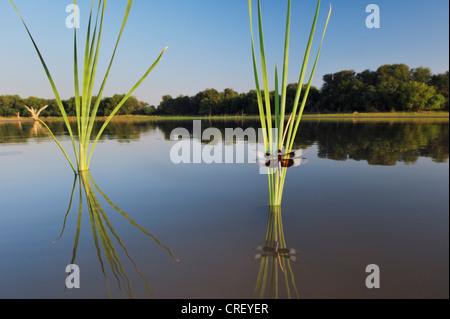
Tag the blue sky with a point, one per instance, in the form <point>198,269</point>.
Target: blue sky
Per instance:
<point>209,42</point>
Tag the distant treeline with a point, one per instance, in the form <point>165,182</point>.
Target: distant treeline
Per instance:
<point>10,105</point>
<point>393,87</point>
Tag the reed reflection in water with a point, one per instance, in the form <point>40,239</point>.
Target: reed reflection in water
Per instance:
<point>104,234</point>
<point>275,269</point>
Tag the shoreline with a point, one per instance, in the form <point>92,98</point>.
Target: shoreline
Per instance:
<point>337,116</point>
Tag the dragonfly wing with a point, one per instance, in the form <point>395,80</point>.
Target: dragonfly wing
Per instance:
<point>257,256</point>
<point>286,162</point>
<point>293,162</point>
<point>298,153</point>
<point>293,154</point>
<point>262,162</point>
<point>299,161</point>
<point>260,154</point>
<point>268,163</point>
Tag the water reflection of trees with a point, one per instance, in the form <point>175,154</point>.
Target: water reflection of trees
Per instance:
<point>383,143</point>
<point>378,142</point>
<point>123,131</point>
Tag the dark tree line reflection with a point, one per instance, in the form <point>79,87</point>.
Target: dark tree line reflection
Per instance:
<point>379,142</point>
<point>384,143</point>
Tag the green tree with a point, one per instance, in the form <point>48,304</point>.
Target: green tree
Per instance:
<point>441,83</point>
<point>208,100</point>
<point>109,104</point>
<point>10,105</point>
<point>393,73</point>
<point>226,105</point>
<point>340,92</point>
<point>421,74</point>
<point>418,96</point>
<point>149,110</point>
<point>368,77</point>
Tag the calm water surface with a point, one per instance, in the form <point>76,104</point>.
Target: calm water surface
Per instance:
<point>373,192</point>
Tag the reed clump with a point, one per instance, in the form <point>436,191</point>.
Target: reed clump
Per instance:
<point>86,108</point>
<point>279,137</point>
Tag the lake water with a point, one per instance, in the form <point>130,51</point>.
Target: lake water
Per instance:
<point>373,192</point>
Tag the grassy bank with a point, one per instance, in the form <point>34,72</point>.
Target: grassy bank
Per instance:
<point>382,115</point>
<point>390,115</point>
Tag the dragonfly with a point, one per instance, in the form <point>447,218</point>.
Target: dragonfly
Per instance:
<point>279,160</point>
<point>277,252</point>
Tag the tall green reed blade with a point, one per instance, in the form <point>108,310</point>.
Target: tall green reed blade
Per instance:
<point>121,103</point>
<point>91,86</point>
<point>265,79</point>
<point>85,113</point>
<point>290,140</point>
<point>303,69</point>
<point>76,81</point>
<point>262,114</point>
<point>285,71</point>
<point>295,125</point>
<point>276,184</point>
<point>102,87</point>
<point>255,73</point>
<point>277,100</point>
<point>86,71</point>
<point>90,64</point>
<point>55,91</point>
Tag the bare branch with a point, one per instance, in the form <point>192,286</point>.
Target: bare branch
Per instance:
<point>39,112</point>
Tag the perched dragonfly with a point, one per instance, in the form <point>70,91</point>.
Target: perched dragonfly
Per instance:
<point>276,252</point>
<point>279,160</point>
